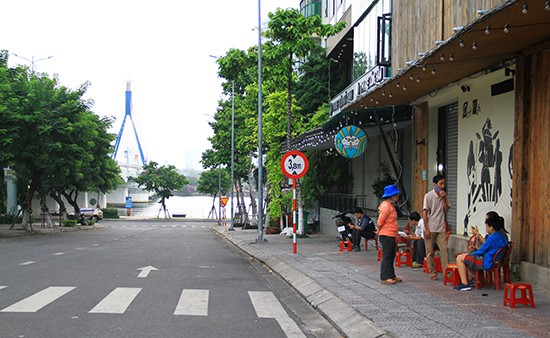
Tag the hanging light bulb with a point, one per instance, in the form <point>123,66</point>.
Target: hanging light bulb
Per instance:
<point>524,9</point>
<point>433,71</point>
<point>451,57</point>
<point>383,93</point>
<point>487,30</point>
<point>411,77</point>
<point>390,95</point>
<point>461,43</point>
<point>442,57</point>
<point>547,5</point>
<point>474,46</point>
<point>397,84</point>
<point>418,79</point>
<point>424,67</point>
<point>405,87</point>
<point>507,26</point>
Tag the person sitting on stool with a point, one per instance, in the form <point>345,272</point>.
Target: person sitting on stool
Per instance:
<point>419,248</point>
<point>365,228</point>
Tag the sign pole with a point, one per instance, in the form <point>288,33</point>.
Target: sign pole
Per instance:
<point>294,245</point>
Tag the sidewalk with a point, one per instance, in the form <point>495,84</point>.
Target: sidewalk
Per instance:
<point>345,287</point>
<point>5,231</point>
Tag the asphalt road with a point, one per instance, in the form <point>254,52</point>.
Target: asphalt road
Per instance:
<point>144,279</point>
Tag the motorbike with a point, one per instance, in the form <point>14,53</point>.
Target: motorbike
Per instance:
<point>342,224</point>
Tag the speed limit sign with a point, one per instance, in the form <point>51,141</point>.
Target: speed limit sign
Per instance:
<point>294,164</point>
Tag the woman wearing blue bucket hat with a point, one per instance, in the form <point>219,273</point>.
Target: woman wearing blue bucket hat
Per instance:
<point>387,232</point>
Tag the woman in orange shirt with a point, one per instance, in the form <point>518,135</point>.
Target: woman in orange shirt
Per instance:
<point>387,231</point>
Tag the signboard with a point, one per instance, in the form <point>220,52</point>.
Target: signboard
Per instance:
<point>223,201</point>
<point>351,141</point>
<point>128,202</point>
<point>294,164</point>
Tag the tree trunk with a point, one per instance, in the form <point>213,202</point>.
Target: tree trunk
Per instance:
<point>27,207</point>
<point>289,105</point>
<point>71,197</point>
<point>56,195</point>
<point>45,217</point>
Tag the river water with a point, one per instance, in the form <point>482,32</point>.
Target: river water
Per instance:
<point>191,206</point>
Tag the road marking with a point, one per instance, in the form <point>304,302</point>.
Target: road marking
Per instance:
<point>95,244</point>
<point>163,226</point>
<point>173,226</point>
<point>145,271</point>
<point>27,263</point>
<point>2,287</point>
<point>39,300</point>
<point>267,306</point>
<point>117,301</point>
<point>59,253</point>
<point>193,303</point>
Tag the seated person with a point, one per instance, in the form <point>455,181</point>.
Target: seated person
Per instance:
<point>481,239</point>
<point>365,228</point>
<point>483,257</point>
<point>419,248</point>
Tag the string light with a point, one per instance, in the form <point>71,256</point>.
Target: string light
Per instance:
<point>507,27</point>
<point>390,94</point>
<point>383,93</point>
<point>411,77</point>
<point>418,79</point>
<point>461,44</point>
<point>474,46</point>
<point>442,57</point>
<point>404,87</point>
<point>397,84</point>
<point>547,5</point>
<point>487,30</point>
<point>451,57</point>
<point>524,9</point>
<point>433,71</point>
<point>424,67</point>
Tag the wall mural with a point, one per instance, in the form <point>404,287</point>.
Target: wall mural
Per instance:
<point>484,169</point>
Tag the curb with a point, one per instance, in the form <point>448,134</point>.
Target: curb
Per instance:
<point>346,319</point>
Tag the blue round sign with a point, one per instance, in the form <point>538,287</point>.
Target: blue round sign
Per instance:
<point>351,141</point>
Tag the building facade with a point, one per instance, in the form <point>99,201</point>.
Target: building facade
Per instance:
<point>472,75</point>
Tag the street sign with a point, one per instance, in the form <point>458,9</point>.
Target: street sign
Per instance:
<point>223,201</point>
<point>128,202</point>
<point>294,164</point>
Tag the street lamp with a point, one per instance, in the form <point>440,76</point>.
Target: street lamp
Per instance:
<point>32,61</point>
<point>260,160</point>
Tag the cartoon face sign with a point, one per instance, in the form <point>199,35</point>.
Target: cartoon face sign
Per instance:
<point>351,141</point>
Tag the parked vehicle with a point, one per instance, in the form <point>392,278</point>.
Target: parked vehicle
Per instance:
<point>87,214</point>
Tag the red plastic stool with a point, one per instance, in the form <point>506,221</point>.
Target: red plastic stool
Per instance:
<point>345,245</point>
<point>437,262</point>
<point>407,258</point>
<point>451,275</point>
<point>510,294</point>
<point>371,239</point>
<point>379,255</point>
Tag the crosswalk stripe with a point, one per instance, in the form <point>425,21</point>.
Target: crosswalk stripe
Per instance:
<point>267,306</point>
<point>117,301</point>
<point>193,303</point>
<point>39,300</point>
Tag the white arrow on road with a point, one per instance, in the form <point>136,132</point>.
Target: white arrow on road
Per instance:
<point>145,271</point>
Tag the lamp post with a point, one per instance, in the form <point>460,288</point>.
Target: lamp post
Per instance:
<point>260,160</point>
<point>232,148</point>
<point>32,61</point>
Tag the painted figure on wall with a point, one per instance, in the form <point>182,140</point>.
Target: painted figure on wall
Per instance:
<point>484,170</point>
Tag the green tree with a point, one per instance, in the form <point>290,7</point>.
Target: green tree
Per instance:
<point>162,181</point>
<point>211,181</point>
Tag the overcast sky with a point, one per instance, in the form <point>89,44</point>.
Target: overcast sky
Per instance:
<point>162,47</point>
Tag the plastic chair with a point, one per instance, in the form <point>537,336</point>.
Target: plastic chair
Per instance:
<point>501,269</point>
<point>489,275</point>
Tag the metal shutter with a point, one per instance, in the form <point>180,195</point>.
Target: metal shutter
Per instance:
<point>452,163</point>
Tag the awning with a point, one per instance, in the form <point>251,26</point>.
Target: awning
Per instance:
<point>496,36</point>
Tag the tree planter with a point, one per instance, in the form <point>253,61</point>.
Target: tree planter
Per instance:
<point>272,230</point>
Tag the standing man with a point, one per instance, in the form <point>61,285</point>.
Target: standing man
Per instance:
<point>436,206</point>
<point>365,228</point>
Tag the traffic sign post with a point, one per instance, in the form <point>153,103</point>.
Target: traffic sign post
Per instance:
<point>223,203</point>
<point>294,165</point>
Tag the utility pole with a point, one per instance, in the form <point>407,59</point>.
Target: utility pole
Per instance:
<point>32,60</point>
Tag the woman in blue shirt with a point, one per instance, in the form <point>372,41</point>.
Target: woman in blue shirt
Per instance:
<point>482,259</point>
